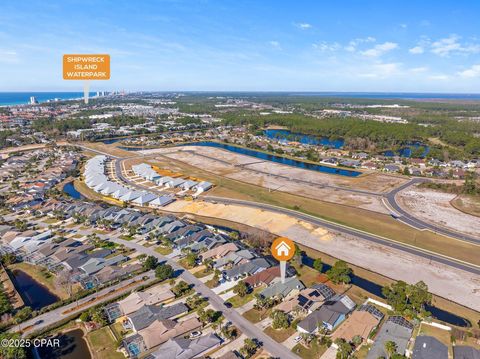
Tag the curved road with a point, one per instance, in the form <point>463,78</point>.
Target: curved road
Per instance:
<point>407,218</point>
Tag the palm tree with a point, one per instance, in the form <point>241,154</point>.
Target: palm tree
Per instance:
<point>390,348</point>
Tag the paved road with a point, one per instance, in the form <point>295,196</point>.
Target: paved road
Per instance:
<point>58,314</point>
<point>326,224</point>
<point>420,224</point>
<point>352,232</point>
<point>249,329</point>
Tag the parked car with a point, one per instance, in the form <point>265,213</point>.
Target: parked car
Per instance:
<point>195,334</point>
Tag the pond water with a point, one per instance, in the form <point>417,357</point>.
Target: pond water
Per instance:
<point>72,346</point>
<point>109,141</point>
<point>33,293</point>
<point>69,189</point>
<point>286,135</point>
<point>277,159</point>
<point>376,289</point>
<point>407,151</point>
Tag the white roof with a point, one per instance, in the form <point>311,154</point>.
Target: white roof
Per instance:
<point>145,198</point>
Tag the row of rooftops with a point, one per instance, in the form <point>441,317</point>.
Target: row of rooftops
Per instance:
<point>146,171</point>
<point>96,179</point>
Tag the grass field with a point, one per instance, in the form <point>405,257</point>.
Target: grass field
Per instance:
<point>279,335</point>
<point>238,301</point>
<point>467,204</point>
<point>103,345</point>
<point>163,250</point>
<point>42,276</point>
<point>256,316</point>
<point>315,351</point>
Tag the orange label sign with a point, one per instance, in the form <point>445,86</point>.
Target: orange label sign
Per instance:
<point>283,249</point>
<point>86,67</point>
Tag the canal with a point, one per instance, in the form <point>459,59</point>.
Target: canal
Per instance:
<point>34,295</point>
<point>277,159</point>
<point>73,345</point>
<point>287,136</point>
<point>376,289</point>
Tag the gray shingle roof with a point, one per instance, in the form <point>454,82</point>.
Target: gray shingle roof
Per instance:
<point>427,347</point>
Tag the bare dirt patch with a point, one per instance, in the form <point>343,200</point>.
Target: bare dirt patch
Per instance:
<point>435,207</point>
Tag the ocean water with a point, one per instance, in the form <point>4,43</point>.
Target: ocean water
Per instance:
<point>22,98</point>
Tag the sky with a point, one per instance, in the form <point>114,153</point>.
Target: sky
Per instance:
<point>242,45</point>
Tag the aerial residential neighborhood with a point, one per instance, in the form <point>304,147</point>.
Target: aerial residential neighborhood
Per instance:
<point>239,180</point>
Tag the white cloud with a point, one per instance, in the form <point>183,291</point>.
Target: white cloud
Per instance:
<point>382,70</point>
<point>352,45</point>
<point>403,26</point>
<point>439,77</point>
<point>417,50</point>
<point>325,46</point>
<point>275,44</point>
<point>451,45</point>
<point>472,72</point>
<point>304,26</point>
<point>380,49</point>
<point>419,69</point>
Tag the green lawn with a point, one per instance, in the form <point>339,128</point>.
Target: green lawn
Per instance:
<point>314,352</point>
<point>102,344</point>
<point>164,250</point>
<point>203,273</point>
<point>256,316</point>
<point>238,301</point>
<point>279,335</point>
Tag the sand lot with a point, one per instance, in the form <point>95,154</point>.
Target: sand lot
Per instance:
<point>435,207</point>
<point>450,283</point>
<point>358,192</point>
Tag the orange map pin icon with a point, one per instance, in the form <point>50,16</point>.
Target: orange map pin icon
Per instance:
<point>283,249</point>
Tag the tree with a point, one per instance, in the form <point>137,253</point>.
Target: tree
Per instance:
<point>390,348</point>
<point>98,316</point>
<point>181,288</point>
<point>150,263</point>
<point>11,351</point>
<point>280,320</point>
<point>340,273</point>
<point>357,340</point>
<point>208,316</point>
<point>298,255</point>
<point>241,289</point>
<point>64,280</point>
<point>249,347</point>
<point>23,314</point>
<point>164,271</point>
<point>344,349</point>
<point>318,265</point>
<point>191,259</point>
<point>408,299</point>
<point>263,302</point>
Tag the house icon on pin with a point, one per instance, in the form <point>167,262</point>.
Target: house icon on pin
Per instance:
<point>283,249</point>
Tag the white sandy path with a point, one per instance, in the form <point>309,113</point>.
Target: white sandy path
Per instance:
<point>434,206</point>
<point>454,284</point>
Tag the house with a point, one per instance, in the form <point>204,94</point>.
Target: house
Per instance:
<point>150,296</point>
<point>162,201</point>
<point>308,299</point>
<point>465,352</point>
<point>251,267</point>
<point>427,347</point>
<point>174,182</point>
<point>391,168</point>
<point>264,277</point>
<point>203,187</point>
<point>282,290</point>
<point>144,198</point>
<point>360,323</point>
<point>182,348</point>
<point>396,329</point>
<point>220,251</point>
<point>235,258</point>
<point>188,185</point>
<point>160,331</point>
<point>147,314</point>
<point>130,196</point>
<point>329,315</point>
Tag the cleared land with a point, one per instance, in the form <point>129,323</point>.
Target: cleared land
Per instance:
<point>435,207</point>
<point>467,204</point>
<point>278,177</point>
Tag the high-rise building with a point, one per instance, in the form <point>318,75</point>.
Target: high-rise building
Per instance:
<point>33,100</point>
